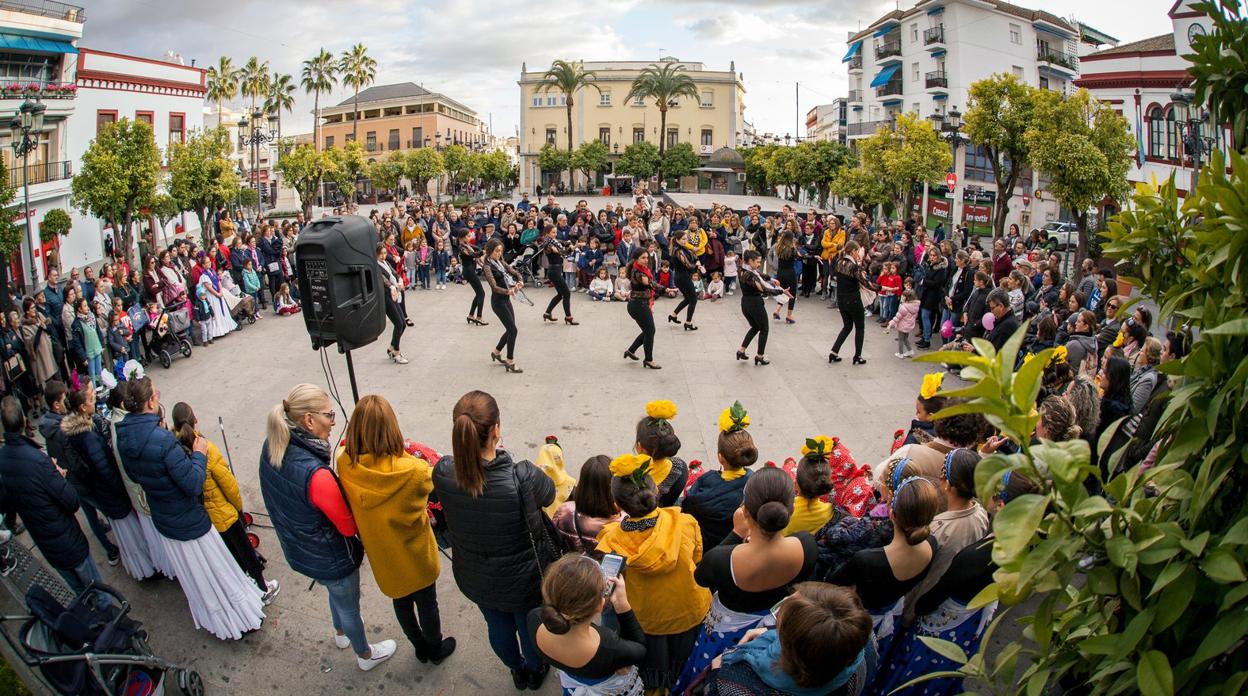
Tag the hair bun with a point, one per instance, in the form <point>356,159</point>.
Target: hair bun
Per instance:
<point>554,621</point>
<point>917,535</point>
<point>773,516</point>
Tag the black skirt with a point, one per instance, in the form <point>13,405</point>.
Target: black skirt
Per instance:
<point>665,658</point>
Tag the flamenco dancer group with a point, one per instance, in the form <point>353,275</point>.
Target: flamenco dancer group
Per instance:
<point>504,283</point>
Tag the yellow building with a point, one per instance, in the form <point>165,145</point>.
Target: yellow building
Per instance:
<point>715,119</point>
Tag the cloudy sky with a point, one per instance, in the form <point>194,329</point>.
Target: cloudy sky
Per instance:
<point>472,50</point>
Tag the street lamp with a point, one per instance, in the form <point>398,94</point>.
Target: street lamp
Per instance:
<point>1195,143</point>
<point>251,135</point>
<point>949,126</point>
<point>25,129</point>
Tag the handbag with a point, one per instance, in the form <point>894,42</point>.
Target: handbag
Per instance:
<point>545,541</point>
<point>14,368</point>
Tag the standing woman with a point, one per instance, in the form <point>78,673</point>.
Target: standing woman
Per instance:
<point>394,291</point>
<point>222,599</point>
<point>787,254</point>
<point>310,516</point>
<point>554,252</point>
<point>492,504</point>
<point>37,338</point>
<point>849,277</point>
<point>117,397</point>
<point>504,281</point>
<point>469,259</point>
<point>641,306</point>
<point>388,491</point>
<point>685,263</point>
<point>754,287</point>
<point>829,246</point>
<point>221,323</point>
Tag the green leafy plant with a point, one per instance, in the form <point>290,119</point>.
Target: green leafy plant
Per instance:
<point>910,153</point>
<point>423,166</point>
<point>202,177</point>
<point>999,110</point>
<point>640,160</point>
<point>119,174</point>
<point>56,223</point>
<point>679,160</point>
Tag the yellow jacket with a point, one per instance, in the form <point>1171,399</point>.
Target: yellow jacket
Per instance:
<point>832,244</point>
<point>550,461</point>
<point>388,498</point>
<point>698,239</point>
<point>221,497</point>
<point>809,515</point>
<point>660,562</point>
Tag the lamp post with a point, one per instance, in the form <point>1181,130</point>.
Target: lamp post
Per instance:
<point>25,129</point>
<point>251,135</point>
<point>1195,143</point>
<point>949,126</point>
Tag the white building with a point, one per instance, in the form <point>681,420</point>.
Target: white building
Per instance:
<point>1138,80</point>
<point>262,177</point>
<point>828,121</point>
<point>923,60</point>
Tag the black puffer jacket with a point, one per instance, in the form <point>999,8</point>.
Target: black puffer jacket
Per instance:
<point>43,499</point>
<point>493,562</point>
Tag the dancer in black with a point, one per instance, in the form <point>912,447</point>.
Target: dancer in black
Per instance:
<point>849,277</point>
<point>685,264</point>
<point>391,294</point>
<point>503,281</point>
<point>555,251</point>
<point>787,254</point>
<point>469,257</point>
<point>754,287</point>
<point>641,306</point>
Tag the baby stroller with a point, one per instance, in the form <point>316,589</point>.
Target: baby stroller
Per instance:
<point>169,335</point>
<point>244,310</point>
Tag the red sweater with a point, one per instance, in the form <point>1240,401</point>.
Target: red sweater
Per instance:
<point>890,285</point>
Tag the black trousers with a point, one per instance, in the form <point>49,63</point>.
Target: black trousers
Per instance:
<point>689,296</point>
<point>640,311</point>
<point>478,297</point>
<point>788,280</point>
<point>562,293</point>
<point>395,313</point>
<point>852,319</point>
<point>501,304</point>
<point>235,539</point>
<point>810,274</point>
<point>275,283</point>
<point>756,314</point>
<point>425,632</point>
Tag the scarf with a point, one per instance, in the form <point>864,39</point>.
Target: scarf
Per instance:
<point>87,319</point>
<point>762,655</point>
<point>309,441</point>
<point>645,270</point>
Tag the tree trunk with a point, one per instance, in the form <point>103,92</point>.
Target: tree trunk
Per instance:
<point>1005,191</point>
<point>571,178</point>
<point>355,116</point>
<point>1081,250</point>
<point>127,240</point>
<point>662,138</point>
<point>204,230</point>
<point>316,125</point>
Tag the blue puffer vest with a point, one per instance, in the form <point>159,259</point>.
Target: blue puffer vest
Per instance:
<point>310,541</point>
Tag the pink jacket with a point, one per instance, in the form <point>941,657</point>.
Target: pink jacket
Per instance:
<point>907,315</point>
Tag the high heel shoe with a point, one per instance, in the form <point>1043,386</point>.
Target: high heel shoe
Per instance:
<point>790,321</point>
<point>511,367</point>
<point>859,361</point>
<point>776,316</point>
<point>652,365</point>
<point>408,322</point>
<point>742,356</point>
<point>630,356</point>
<point>571,322</point>
<point>760,360</point>
<point>833,357</point>
<point>673,318</point>
<point>497,358</point>
<point>690,327</point>
<point>398,358</point>
<point>470,320</point>
<point>547,317</point>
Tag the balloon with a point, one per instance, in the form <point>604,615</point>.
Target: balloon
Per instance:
<point>989,321</point>
<point>946,329</point>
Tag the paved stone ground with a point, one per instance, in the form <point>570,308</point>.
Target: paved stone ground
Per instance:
<point>575,385</point>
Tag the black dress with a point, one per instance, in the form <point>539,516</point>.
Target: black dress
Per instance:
<point>468,257</point>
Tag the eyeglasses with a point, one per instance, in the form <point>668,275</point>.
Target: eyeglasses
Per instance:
<point>328,414</point>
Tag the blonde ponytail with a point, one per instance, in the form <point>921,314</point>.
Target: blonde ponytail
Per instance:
<point>302,400</point>
<point>277,434</point>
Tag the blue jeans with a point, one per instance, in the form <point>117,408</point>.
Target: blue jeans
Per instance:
<point>422,274</point>
<point>503,628</point>
<point>82,575</point>
<point>344,608</point>
<point>92,514</point>
<point>441,276</point>
<point>94,367</point>
<point>888,304</point>
<point>927,318</point>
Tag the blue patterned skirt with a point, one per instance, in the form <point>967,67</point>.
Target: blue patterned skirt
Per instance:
<point>911,658</point>
<point>721,629</point>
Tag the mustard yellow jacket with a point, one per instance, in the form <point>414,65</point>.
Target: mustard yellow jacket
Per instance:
<point>221,497</point>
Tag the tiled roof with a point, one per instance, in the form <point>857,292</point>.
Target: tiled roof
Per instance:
<point>1164,42</point>
<point>385,92</point>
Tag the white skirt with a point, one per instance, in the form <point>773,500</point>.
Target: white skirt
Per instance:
<point>156,547</point>
<point>135,556</point>
<point>223,600</point>
<point>221,323</point>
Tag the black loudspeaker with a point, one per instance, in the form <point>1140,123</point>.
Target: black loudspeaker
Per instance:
<point>339,282</point>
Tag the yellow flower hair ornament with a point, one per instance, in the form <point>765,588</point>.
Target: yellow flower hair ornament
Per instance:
<point>1119,340</point>
<point>661,410</point>
<point>820,445</point>
<point>931,384</point>
<point>1059,355</point>
<point>734,418</point>
<point>631,466</point>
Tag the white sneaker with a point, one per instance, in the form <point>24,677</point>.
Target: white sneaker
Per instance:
<point>380,651</point>
<point>899,356</point>
<point>909,354</point>
<point>342,642</point>
<point>274,588</point>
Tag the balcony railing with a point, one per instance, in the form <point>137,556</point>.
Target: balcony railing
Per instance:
<point>1046,55</point>
<point>41,172</point>
<point>855,95</point>
<point>893,87</point>
<point>855,63</point>
<point>868,127</point>
<point>935,35</point>
<point>20,89</point>
<point>887,49</point>
<point>46,8</point>
<point>936,79</point>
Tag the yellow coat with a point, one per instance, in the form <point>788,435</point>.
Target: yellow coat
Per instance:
<point>221,497</point>
<point>809,515</point>
<point>660,562</point>
<point>831,244</point>
<point>388,498</point>
<point>550,461</point>
<point>698,239</point>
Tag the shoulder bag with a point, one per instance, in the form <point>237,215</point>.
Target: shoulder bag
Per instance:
<point>545,541</point>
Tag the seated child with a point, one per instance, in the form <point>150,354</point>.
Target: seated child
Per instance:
<point>666,281</point>
<point>600,287</point>
<point>716,495</point>
<point>699,287</point>
<point>811,509</point>
<point>922,428</point>
<point>715,288</point>
<point>623,286</point>
<point>285,305</point>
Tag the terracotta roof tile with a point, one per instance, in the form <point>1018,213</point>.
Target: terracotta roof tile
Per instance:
<point>1164,42</point>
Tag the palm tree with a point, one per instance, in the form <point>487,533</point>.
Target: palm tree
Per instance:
<point>254,78</point>
<point>281,97</point>
<point>358,70</point>
<point>666,84</point>
<point>568,78</point>
<point>319,75</point>
<point>222,83</point>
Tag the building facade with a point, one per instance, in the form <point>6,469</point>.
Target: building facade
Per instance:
<point>828,121</point>
<point>1139,80</point>
<point>715,119</point>
<point>923,60</point>
<point>403,116</point>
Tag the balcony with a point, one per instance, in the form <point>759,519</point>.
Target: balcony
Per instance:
<point>1063,61</point>
<point>41,172</point>
<point>935,35</point>
<point>855,96</point>
<point>868,127</point>
<point>936,79</point>
<point>46,8</point>
<point>888,49</point>
<point>855,63</point>
<point>892,88</point>
<point>21,89</point>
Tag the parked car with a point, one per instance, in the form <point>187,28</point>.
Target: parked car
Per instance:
<point>1061,235</point>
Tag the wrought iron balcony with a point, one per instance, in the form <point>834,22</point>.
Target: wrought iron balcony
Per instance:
<point>888,49</point>
<point>935,35</point>
<point>855,63</point>
<point>893,87</point>
<point>936,79</point>
<point>868,127</point>
<point>41,172</point>
<point>21,89</point>
<point>46,8</point>
<point>855,95</point>
<point>1062,60</point>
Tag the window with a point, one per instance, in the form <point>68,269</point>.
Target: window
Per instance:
<point>914,33</point>
<point>914,72</point>
<point>537,101</point>
<point>604,98</point>
<point>370,141</point>
<point>418,137</point>
<point>349,137</point>
<point>978,166</point>
<point>1016,34</point>
<point>393,143</point>
<point>329,141</point>
<point>708,98</point>
<point>1172,135</point>
<point>1017,70</point>
<point>604,135</point>
<point>1044,83</point>
<point>550,136</point>
<point>639,100</point>
<point>707,135</point>
<point>23,67</point>
<point>639,134</point>
<point>144,116</point>
<point>104,118</point>
<point>673,136</point>
<point>177,128</point>
<point>551,100</point>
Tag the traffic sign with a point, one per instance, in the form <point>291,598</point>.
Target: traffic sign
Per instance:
<point>1026,200</point>
<point>951,180</point>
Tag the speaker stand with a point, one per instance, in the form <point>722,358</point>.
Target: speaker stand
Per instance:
<point>355,392</point>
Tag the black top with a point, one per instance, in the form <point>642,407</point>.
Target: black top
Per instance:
<point>683,260</point>
<point>624,649</point>
<point>554,251</point>
<point>640,287</point>
<point>754,284</point>
<point>969,572</point>
<point>715,573</point>
<point>468,255</point>
<point>849,276</point>
<point>870,574</point>
<point>496,275</point>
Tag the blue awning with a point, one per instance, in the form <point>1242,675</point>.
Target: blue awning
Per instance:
<point>884,32</point>
<point>30,43</point>
<point>853,50</point>
<point>939,97</point>
<point>938,53</point>
<point>936,10</point>
<point>885,75</point>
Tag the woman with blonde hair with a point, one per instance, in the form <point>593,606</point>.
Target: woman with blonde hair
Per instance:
<point>388,491</point>
<point>312,521</point>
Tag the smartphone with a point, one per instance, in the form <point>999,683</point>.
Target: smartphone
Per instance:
<point>611,565</point>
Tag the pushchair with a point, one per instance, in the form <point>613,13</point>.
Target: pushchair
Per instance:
<point>244,310</point>
<point>169,336</point>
